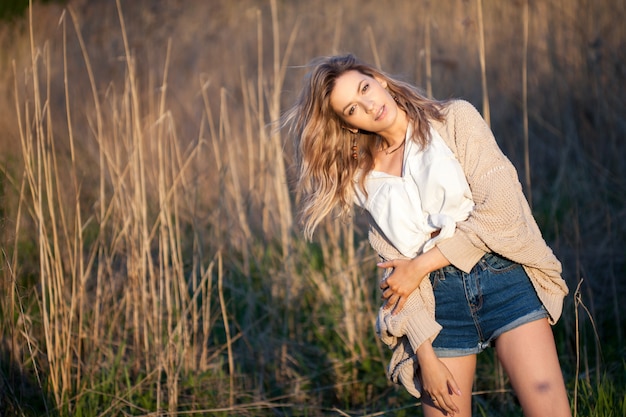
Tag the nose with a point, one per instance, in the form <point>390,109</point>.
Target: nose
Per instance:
<point>369,105</point>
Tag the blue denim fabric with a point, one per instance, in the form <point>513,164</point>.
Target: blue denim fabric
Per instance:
<point>475,308</point>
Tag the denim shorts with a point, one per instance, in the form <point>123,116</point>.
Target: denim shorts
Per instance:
<point>475,308</point>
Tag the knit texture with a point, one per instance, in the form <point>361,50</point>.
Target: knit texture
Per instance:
<point>501,222</point>
<point>416,320</point>
<point>404,368</point>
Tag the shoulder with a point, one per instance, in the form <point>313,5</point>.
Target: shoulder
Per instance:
<point>468,135</point>
<point>460,117</point>
<point>457,114</point>
<point>459,110</point>
<point>462,123</point>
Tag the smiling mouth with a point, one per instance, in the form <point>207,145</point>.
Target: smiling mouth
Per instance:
<point>380,113</point>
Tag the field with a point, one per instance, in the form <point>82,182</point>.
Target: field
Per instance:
<point>151,261</point>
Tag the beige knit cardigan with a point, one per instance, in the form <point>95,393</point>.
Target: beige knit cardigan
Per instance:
<point>500,222</point>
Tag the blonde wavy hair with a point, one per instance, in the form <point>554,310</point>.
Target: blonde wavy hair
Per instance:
<point>326,168</point>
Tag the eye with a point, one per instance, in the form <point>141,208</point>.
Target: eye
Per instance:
<point>365,88</point>
<point>351,110</point>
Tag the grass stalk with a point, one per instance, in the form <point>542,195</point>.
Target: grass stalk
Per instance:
<point>231,362</point>
<point>249,134</point>
<point>337,31</point>
<point>577,297</point>
<point>40,169</point>
<point>483,64</point>
<point>279,172</point>
<point>525,24</point>
<point>236,188</point>
<point>158,289</point>
<point>373,46</point>
<point>260,100</point>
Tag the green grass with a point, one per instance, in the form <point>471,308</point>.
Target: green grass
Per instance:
<point>148,266</point>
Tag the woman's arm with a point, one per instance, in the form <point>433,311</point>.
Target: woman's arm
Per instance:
<point>437,380</point>
<point>501,220</point>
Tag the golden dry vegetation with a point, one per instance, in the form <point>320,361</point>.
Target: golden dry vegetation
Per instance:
<point>151,257</point>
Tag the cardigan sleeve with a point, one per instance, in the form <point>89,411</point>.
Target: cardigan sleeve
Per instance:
<point>416,320</point>
<point>501,220</point>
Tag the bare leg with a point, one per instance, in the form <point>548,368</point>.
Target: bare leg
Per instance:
<point>463,369</point>
<point>528,355</point>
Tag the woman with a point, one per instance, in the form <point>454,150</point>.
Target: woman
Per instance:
<point>445,204</point>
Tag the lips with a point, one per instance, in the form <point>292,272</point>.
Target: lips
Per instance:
<point>380,113</point>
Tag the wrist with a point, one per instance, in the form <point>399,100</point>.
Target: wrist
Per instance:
<point>416,267</point>
<point>425,352</point>
<point>429,261</point>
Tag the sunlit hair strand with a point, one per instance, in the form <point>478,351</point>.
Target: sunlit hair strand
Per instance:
<point>326,169</point>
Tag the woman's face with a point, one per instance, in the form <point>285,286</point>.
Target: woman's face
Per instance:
<point>364,102</point>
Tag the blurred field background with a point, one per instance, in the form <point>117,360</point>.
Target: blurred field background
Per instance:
<point>151,262</point>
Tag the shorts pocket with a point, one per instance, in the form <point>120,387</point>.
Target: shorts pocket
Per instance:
<point>498,264</point>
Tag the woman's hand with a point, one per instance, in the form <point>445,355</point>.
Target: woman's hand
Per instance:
<point>437,381</point>
<point>400,284</point>
<point>407,275</point>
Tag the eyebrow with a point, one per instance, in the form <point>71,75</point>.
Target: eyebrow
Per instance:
<point>358,88</point>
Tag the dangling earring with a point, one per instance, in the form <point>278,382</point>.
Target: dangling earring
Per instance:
<point>355,153</point>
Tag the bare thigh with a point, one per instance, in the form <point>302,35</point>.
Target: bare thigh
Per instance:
<point>528,355</point>
<point>463,369</point>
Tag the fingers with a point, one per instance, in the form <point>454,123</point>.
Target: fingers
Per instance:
<point>399,306</point>
<point>391,298</point>
<point>442,399</point>
<point>453,386</point>
<point>443,402</point>
<point>448,405</point>
<point>385,264</point>
<point>396,302</point>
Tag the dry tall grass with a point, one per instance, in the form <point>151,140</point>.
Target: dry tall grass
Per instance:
<point>151,263</point>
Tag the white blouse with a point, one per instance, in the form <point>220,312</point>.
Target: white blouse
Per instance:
<point>431,194</point>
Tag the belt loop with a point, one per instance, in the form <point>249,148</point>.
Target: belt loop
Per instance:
<point>482,262</point>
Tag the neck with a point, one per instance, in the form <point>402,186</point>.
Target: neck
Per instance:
<point>394,137</point>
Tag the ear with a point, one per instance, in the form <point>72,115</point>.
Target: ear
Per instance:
<point>351,129</point>
<point>381,81</point>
